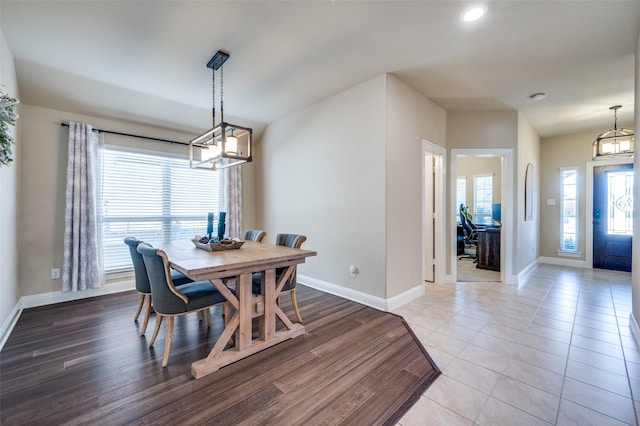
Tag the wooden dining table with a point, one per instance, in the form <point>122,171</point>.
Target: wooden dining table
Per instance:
<point>218,267</point>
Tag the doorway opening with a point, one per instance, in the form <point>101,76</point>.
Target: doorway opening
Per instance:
<point>486,175</point>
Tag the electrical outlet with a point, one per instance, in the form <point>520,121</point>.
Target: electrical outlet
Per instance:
<point>55,274</point>
<point>353,271</point>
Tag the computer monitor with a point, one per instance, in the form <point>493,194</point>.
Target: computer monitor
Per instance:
<point>496,214</point>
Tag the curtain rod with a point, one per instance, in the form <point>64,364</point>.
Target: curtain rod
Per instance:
<point>132,136</point>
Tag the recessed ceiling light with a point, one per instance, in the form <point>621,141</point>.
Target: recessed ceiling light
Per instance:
<point>474,12</point>
<point>537,96</point>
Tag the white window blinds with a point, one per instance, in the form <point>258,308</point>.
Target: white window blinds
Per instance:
<point>153,198</point>
<point>482,199</point>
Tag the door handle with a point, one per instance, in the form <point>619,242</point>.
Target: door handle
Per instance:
<point>596,216</point>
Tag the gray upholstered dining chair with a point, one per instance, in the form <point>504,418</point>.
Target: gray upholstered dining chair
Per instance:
<point>142,281</point>
<point>171,301</point>
<point>288,240</point>
<point>254,235</point>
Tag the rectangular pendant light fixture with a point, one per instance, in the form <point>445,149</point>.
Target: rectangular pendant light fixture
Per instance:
<point>225,144</point>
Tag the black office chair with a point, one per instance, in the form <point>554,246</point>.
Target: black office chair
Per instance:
<point>470,234</point>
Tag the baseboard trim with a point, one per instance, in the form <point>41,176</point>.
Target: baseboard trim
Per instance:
<point>10,323</point>
<point>364,298</point>
<point>527,271</point>
<point>357,296</point>
<point>635,330</point>
<point>42,299</point>
<point>564,262</point>
<point>405,297</point>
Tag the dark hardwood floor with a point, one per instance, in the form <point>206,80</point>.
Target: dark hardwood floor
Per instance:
<point>84,362</point>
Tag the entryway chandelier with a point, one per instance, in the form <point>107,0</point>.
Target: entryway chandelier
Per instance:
<point>614,143</point>
<point>225,144</point>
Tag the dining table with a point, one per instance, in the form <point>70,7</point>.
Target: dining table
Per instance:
<point>238,265</point>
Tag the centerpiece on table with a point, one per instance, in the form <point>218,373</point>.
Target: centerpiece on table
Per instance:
<point>213,244</point>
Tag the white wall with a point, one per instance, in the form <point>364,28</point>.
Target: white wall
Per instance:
<point>9,244</point>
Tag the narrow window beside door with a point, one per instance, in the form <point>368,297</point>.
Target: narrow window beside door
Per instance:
<point>568,211</point>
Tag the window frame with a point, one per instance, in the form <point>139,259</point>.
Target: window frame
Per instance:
<point>565,250</point>
<point>487,218</point>
<point>166,220</point>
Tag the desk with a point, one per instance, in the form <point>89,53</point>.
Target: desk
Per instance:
<point>488,249</point>
<point>252,257</point>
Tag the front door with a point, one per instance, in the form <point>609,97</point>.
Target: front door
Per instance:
<point>612,217</point>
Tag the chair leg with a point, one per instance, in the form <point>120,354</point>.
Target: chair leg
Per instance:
<point>294,302</point>
<point>155,332</point>
<point>140,303</point>
<point>167,343</point>
<point>147,313</point>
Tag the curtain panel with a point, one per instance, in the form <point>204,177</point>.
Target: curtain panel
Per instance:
<point>81,262</point>
<point>231,201</point>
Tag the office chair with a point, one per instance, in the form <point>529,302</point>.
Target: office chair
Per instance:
<point>469,230</point>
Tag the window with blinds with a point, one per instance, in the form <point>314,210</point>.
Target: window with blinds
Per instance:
<point>482,199</point>
<point>153,198</point>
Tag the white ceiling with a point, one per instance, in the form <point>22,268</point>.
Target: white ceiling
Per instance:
<point>146,61</point>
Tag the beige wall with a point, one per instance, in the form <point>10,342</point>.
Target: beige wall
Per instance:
<point>473,166</point>
<point>564,151</point>
<point>42,185</point>
<point>411,118</point>
<point>347,173</point>
<point>478,130</point>
<point>9,196</point>
<point>322,174</point>
<point>526,237</point>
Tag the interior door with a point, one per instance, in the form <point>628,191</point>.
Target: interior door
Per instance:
<point>612,217</point>
<point>429,219</point>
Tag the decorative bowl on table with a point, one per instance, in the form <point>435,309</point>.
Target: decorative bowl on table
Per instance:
<point>217,245</point>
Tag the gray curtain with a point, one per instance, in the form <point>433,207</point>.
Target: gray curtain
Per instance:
<point>81,267</point>
<point>231,201</point>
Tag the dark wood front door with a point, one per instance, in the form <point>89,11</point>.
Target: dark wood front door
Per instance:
<point>612,217</point>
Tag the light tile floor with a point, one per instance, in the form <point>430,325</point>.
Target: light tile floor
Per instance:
<point>555,349</point>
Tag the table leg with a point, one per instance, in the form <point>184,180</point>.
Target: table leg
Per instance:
<point>267,322</point>
<point>244,292</point>
<point>245,346</point>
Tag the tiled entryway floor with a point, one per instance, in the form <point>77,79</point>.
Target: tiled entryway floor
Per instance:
<point>555,349</point>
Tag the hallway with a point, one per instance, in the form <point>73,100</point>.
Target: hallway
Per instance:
<point>556,349</point>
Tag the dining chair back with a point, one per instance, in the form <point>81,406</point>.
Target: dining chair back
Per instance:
<point>254,235</point>
<point>170,300</point>
<point>142,281</point>
<point>287,240</point>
